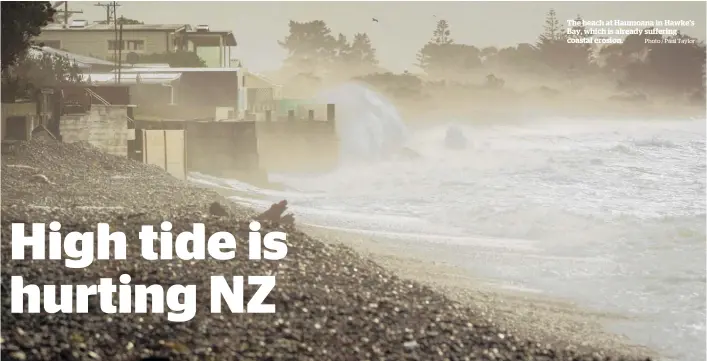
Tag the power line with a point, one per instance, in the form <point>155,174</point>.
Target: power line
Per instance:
<point>66,13</point>
<point>117,45</point>
<point>111,12</point>
<point>110,9</point>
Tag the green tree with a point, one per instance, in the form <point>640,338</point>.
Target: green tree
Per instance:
<point>521,57</point>
<point>124,21</point>
<point>579,55</point>
<point>343,48</point>
<point>356,58</point>
<point>21,21</point>
<point>668,65</point>
<point>449,60</point>
<point>442,33</point>
<point>342,65</point>
<point>488,54</point>
<point>310,46</point>
<point>440,36</point>
<point>362,53</point>
<point>579,31</point>
<point>674,66</point>
<point>176,59</point>
<point>423,59</point>
<point>399,86</point>
<point>36,70</point>
<point>553,30</point>
<point>557,53</point>
<point>441,57</point>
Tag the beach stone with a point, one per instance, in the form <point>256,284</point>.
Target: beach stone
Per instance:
<point>216,209</point>
<point>411,344</point>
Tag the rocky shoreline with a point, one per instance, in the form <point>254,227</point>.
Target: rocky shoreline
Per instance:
<point>332,303</point>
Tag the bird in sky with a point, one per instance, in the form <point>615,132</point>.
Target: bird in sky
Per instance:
<point>375,20</point>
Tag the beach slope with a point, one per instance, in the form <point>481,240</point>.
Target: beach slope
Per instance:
<point>331,303</point>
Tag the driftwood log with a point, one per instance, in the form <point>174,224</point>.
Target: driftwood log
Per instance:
<point>275,213</point>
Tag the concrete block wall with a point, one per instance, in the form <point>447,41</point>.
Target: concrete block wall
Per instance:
<point>105,126</point>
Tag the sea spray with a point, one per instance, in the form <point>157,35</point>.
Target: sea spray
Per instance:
<point>369,126</point>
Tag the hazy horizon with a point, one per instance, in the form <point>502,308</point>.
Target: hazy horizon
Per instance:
<point>403,27</point>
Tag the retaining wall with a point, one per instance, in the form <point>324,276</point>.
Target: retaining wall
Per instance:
<point>104,126</point>
<point>297,146</point>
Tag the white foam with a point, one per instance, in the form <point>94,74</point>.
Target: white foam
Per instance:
<point>369,126</point>
<point>467,241</point>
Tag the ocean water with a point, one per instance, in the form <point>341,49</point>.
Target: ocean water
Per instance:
<point>607,213</point>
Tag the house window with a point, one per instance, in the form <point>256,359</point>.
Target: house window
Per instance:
<point>135,45</point>
<point>129,45</point>
<point>56,44</point>
<point>111,45</point>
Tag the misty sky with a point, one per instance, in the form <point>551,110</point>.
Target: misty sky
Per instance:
<point>402,29</point>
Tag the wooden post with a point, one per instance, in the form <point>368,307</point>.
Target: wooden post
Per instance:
<point>117,46</point>
<point>120,52</point>
<point>330,112</point>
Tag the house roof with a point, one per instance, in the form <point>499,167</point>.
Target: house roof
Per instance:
<point>126,27</point>
<point>147,65</point>
<point>228,37</point>
<point>77,57</point>
<point>81,60</point>
<point>177,70</point>
<point>130,78</point>
<point>262,77</point>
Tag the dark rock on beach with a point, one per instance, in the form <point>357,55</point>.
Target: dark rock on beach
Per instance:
<point>216,209</point>
<point>331,303</point>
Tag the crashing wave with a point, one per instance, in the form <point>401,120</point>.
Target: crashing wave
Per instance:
<point>368,126</point>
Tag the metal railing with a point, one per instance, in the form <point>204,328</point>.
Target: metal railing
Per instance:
<point>96,96</point>
<point>104,102</point>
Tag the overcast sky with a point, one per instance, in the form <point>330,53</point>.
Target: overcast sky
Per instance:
<point>402,29</point>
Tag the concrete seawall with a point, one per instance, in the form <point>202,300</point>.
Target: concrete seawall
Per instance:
<point>227,149</point>
<point>297,146</point>
<point>247,150</point>
<point>244,150</point>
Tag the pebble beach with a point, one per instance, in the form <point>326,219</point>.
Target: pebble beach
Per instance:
<point>332,302</point>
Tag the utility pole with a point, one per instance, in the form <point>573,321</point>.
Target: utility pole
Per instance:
<point>65,14</point>
<point>112,16</point>
<point>110,10</point>
<point>120,52</point>
<point>117,45</point>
